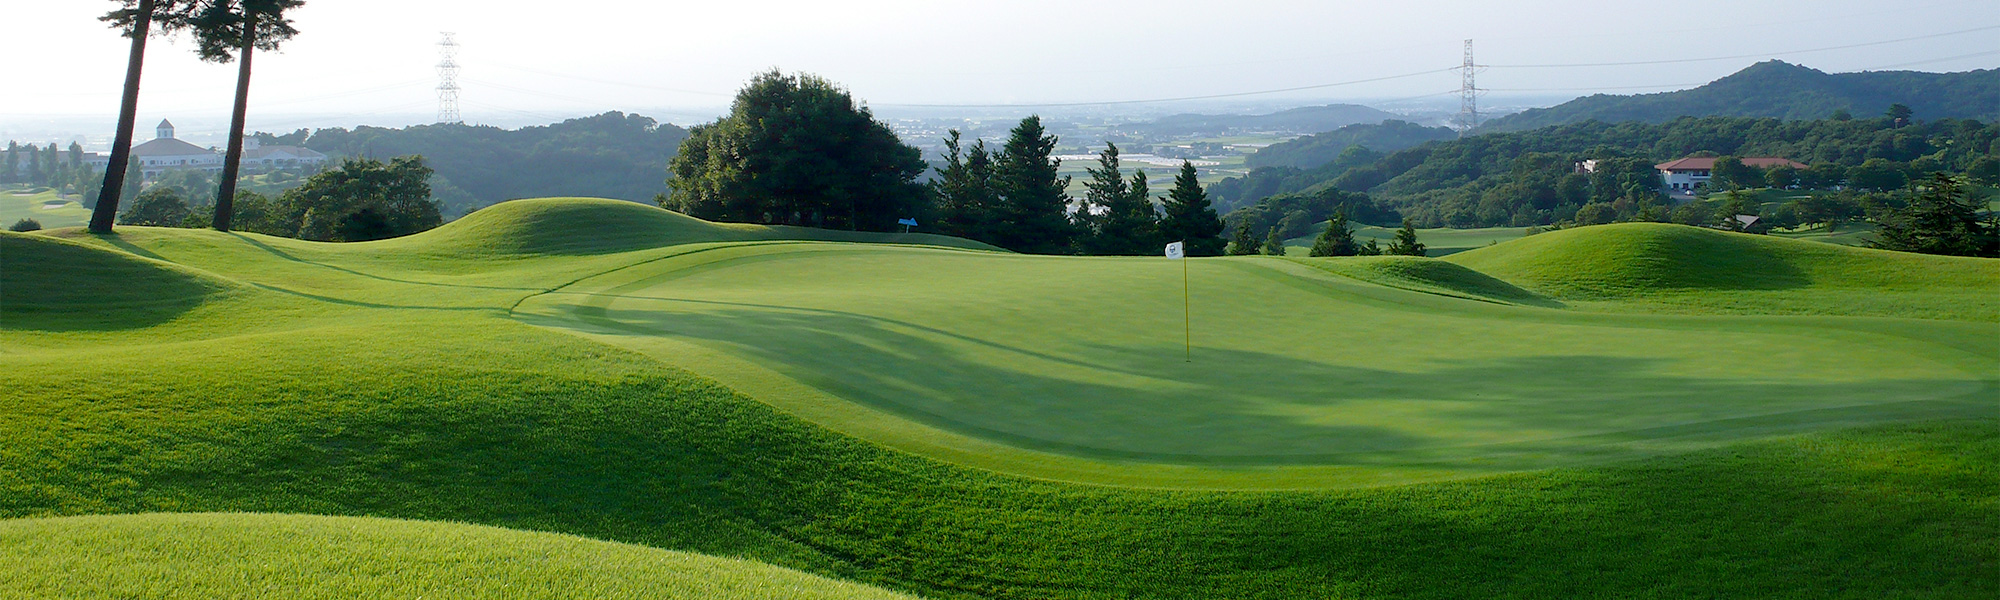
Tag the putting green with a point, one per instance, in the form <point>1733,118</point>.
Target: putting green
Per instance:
<point>1290,365</point>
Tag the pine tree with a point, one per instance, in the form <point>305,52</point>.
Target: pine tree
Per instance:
<point>1243,243</point>
<point>964,190</point>
<point>11,171</point>
<point>1274,243</point>
<point>1336,240</point>
<point>1106,188</point>
<point>228,30</point>
<point>1941,219</point>
<point>1406,241</point>
<point>1189,216</point>
<point>1034,211</point>
<point>1369,249</point>
<point>1124,222</point>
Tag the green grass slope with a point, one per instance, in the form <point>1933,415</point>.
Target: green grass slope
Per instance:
<point>1429,275</point>
<point>598,226</point>
<point>170,556</point>
<point>1587,455</point>
<point>1658,266</point>
<point>52,284</point>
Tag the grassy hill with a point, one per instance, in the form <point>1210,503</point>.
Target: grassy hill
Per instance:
<point>1652,266</point>
<point>962,423</point>
<point>171,556</point>
<point>1786,91</point>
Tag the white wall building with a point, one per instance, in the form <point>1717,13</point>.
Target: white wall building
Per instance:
<point>165,153</point>
<point>1684,175</point>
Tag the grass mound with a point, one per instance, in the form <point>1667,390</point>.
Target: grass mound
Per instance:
<point>169,556</point>
<point>48,283</point>
<point>1431,276</point>
<point>569,226</point>
<point>1704,268</point>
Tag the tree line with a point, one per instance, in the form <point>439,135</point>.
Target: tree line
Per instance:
<point>799,150</point>
<point>50,167</point>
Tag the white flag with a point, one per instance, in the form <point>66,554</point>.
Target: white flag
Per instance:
<point>1176,250</point>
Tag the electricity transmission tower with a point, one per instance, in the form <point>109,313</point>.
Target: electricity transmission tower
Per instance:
<point>448,80</point>
<point>1468,111</point>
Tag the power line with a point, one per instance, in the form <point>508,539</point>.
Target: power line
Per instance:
<point>1180,99</point>
<point>1935,60</point>
<point>1742,56</point>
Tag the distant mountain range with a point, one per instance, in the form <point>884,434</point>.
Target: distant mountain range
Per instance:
<point>1310,119</point>
<point>1786,91</point>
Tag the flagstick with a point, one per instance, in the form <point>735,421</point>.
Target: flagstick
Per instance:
<point>1187,311</point>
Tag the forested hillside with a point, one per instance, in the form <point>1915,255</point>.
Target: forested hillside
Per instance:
<point>1786,91</point>
<point>612,155</point>
<point>1321,148</point>
<point>1533,177</point>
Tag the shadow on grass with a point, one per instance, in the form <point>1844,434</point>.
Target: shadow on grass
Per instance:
<point>52,285</point>
<point>1233,407</point>
<point>287,256</point>
<point>643,457</point>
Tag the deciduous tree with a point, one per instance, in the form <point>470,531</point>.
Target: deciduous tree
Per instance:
<point>798,150</point>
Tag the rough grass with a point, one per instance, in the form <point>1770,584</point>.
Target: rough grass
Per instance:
<point>201,556</point>
<point>370,380</point>
<point>1651,266</point>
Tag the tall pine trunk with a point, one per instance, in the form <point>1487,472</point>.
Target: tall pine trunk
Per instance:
<point>106,212</point>
<point>232,163</point>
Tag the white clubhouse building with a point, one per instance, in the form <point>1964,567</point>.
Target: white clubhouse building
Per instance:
<point>1682,176</point>
<point>164,153</point>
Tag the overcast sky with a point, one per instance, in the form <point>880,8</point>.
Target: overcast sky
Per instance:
<point>529,60</point>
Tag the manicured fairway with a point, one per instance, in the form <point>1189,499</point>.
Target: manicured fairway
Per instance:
<point>929,416</point>
<point>44,207</point>
<point>204,556</point>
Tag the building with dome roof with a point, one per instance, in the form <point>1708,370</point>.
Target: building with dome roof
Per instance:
<point>165,153</point>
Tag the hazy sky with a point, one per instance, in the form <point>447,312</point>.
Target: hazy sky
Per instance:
<point>367,58</point>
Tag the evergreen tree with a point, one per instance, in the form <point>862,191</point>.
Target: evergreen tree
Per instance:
<point>1034,211</point>
<point>1243,243</point>
<point>1406,243</point>
<point>964,191</point>
<point>1369,249</point>
<point>1941,219</point>
<point>1106,187</point>
<point>11,171</point>
<point>1124,220</point>
<point>1336,240</point>
<point>137,19</point>
<point>1189,217</point>
<point>228,30</point>
<point>1274,244</point>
